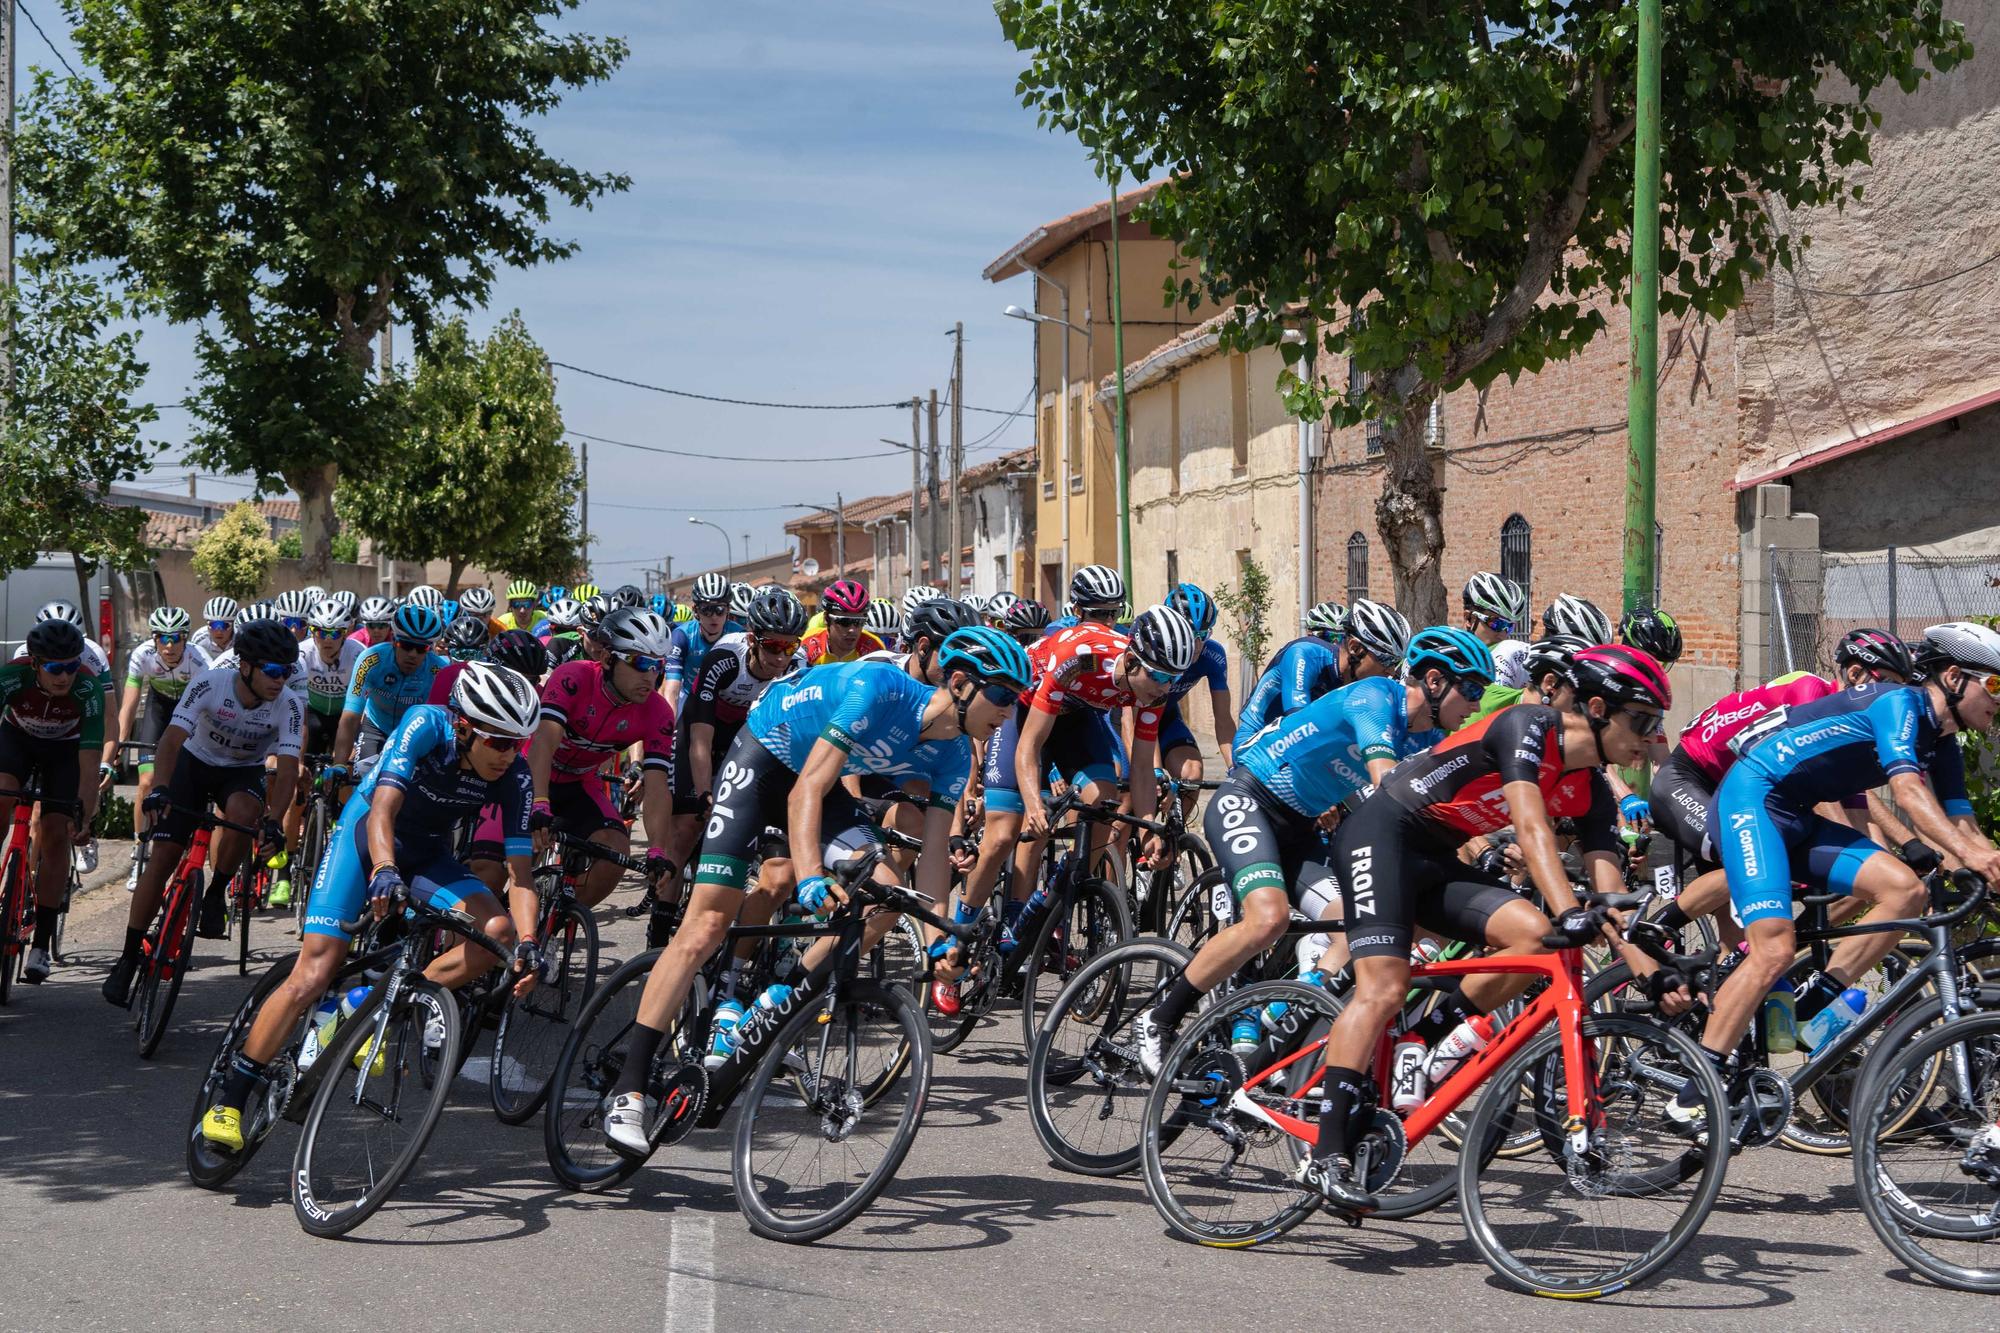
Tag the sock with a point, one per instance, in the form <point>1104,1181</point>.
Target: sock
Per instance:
<point>244,1076</point>
<point>1343,1092</point>
<point>640,1048</point>
<point>135,944</point>
<point>1672,918</point>
<point>45,925</point>
<point>1690,1093</point>
<point>1435,1026</point>
<point>1174,1005</point>
<point>733,976</point>
<point>1821,991</point>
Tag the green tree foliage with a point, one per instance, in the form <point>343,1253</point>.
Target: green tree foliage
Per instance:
<point>1463,169</point>
<point>234,558</point>
<point>346,546</point>
<point>483,477</point>
<point>1249,606</point>
<point>70,428</point>
<point>288,175</point>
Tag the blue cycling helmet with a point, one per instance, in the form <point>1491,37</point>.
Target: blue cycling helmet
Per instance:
<point>987,655</point>
<point>1456,652</point>
<point>450,610</point>
<point>662,606</point>
<point>412,621</point>
<point>1196,605</point>
<point>552,594</point>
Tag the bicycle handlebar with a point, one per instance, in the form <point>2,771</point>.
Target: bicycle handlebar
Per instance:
<point>208,820</point>
<point>598,851</point>
<point>853,873</point>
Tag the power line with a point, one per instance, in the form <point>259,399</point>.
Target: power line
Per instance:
<point>754,402</point>
<point>23,7</point>
<point>729,458</point>
<point>698,509</point>
<point>1895,291</point>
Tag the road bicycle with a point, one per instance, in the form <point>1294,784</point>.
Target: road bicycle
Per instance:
<point>167,955</point>
<point>322,804</point>
<point>1157,893</point>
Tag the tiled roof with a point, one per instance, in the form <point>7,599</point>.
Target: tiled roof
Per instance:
<point>1050,237</point>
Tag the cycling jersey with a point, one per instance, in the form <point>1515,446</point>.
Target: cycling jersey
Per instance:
<point>224,732</point>
<point>725,686</point>
<point>95,664</point>
<point>1300,672</point>
<point>1705,741</point>
<point>204,638</point>
<point>814,646</point>
<point>147,669</point>
<point>77,716</point>
<point>873,714</point>
<point>1211,665</point>
<point>325,678</point>
<point>441,684</point>
<point>1456,789</point>
<point>687,649</point>
<point>1314,759</point>
<point>1856,740</point>
<point>381,692</point>
<point>597,726</point>
<point>1075,672</point>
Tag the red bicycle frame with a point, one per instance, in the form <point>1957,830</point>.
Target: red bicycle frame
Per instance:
<point>192,860</point>
<point>11,939</point>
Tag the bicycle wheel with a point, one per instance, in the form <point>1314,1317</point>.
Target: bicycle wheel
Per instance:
<point>1195,915</point>
<point>1819,1120</point>
<point>1086,1091</point>
<point>305,868</point>
<point>169,956</point>
<point>807,1165</point>
<point>13,892</point>
<point>900,960</point>
<point>535,1026</point>
<point>207,1166</point>
<point>1586,1219</point>
<point>368,1124</point>
<point>1908,1172</point>
<point>1097,919</point>
<point>586,1072</point>
<point>243,894</point>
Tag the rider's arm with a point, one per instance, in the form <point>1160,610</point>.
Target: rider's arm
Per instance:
<point>290,742</point>
<point>701,757</point>
<point>541,755</point>
<point>656,801</point>
<point>802,808</point>
<point>1537,837</point>
<point>1028,764</point>
<point>1222,707</point>
<point>383,808</point>
<point>128,707</point>
<point>1915,799</point>
<point>524,905</point>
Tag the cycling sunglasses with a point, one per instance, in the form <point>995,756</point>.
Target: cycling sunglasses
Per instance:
<point>329,634</point>
<point>779,647</point>
<point>711,608</point>
<point>1497,625</point>
<point>1471,689</point>
<point>293,623</point>
<point>846,622</point>
<point>522,603</point>
<point>1163,677</point>
<point>1990,682</point>
<point>1645,725</point>
<point>168,640</point>
<point>218,625</point>
<point>68,668</point>
<point>644,663</point>
<point>500,744</point>
<point>1000,696</point>
<point>413,645</point>
<point>276,670</point>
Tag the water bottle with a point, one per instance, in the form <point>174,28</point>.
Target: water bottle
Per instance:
<point>1836,1018</point>
<point>722,1042</point>
<point>1311,949</point>
<point>1460,1044</point>
<point>790,947</point>
<point>1781,1018</point>
<point>1425,951</point>
<point>1025,921</point>
<point>325,1016</point>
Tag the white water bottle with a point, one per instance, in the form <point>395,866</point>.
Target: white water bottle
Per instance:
<point>1835,1019</point>
<point>1460,1044</point>
<point>325,1015</point>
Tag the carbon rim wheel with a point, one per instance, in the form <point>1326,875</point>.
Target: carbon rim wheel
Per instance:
<point>1097,920</point>
<point>585,1076</point>
<point>166,965</point>
<point>13,889</point>
<point>207,1166</point>
<point>535,1027</point>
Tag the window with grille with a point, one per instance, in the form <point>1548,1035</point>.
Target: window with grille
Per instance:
<point>1049,447</point>
<point>1357,568</point>
<point>1516,552</point>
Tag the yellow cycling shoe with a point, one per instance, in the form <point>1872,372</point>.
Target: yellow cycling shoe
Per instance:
<point>376,1065</point>
<point>222,1127</point>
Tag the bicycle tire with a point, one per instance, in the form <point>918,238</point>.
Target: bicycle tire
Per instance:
<point>816,1026</point>
<point>1902,1223</point>
<point>167,962</point>
<point>1096,1008</point>
<point>1193,921</point>
<point>1098,919</point>
<point>534,1027</point>
<point>572,1113</point>
<point>206,1167</point>
<point>1502,1100</point>
<point>423,1003</point>
<point>13,888</point>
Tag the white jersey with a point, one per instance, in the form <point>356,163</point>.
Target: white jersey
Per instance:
<point>325,678</point>
<point>223,732</point>
<point>93,658</point>
<point>227,659</point>
<point>1510,663</point>
<point>204,638</point>
<point>145,669</point>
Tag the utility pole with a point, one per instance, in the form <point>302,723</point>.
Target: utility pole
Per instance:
<point>583,519</point>
<point>1124,418</point>
<point>957,557</point>
<point>937,530</point>
<point>1641,401</point>
<point>911,530</point>
<point>839,535</point>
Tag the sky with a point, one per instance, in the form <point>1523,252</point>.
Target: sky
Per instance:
<point>815,189</point>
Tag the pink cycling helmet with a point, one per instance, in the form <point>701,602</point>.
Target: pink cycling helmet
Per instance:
<point>844,597</point>
<point>1622,675</point>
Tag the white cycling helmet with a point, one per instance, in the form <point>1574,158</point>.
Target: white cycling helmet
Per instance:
<point>168,620</point>
<point>1164,639</point>
<point>1573,615</point>
<point>348,603</point>
<point>424,595</point>
<point>635,632</point>
<point>709,590</point>
<point>997,604</point>
<point>1959,643</point>
<point>60,610</point>
<point>740,597</point>
<point>1328,618</point>
<point>565,613</point>
<point>496,699</point>
<point>1499,598</point>
<point>479,601</point>
<point>376,610</point>
<point>1096,587</point>
<point>1382,631</point>
<point>331,616</point>
<point>220,608</point>
<point>917,596</point>
<point>883,620</point>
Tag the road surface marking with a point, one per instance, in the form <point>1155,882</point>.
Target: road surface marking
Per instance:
<point>690,1279</point>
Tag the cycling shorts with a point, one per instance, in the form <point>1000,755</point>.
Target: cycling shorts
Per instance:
<point>1174,731</point>
<point>1766,845</point>
<point>368,745</point>
<point>155,711</point>
<point>319,732</point>
<point>340,887</point>
<point>23,756</point>
<point>1262,843</point>
<point>751,789</point>
<point>196,785</point>
<point>1680,798</point>
<point>1081,748</point>
<point>584,806</point>
<point>1395,875</point>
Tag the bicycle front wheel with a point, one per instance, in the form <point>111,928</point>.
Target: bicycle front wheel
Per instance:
<point>813,1147</point>
<point>1098,919</point>
<point>13,894</point>
<point>534,1027</point>
<point>376,1108</point>
<point>585,1076</point>
<point>1612,1203</point>
<point>208,1166</point>
<point>166,964</point>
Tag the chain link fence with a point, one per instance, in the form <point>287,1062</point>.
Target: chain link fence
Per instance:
<point>1819,596</point>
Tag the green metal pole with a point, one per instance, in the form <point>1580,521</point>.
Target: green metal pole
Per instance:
<point>1124,424</point>
<point>1641,408</point>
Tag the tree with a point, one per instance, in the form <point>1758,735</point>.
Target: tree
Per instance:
<point>346,547</point>
<point>70,428</point>
<point>1462,169</point>
<point>483,476</point>
<point>290,175</point>
<point>234,558</point>
<point>1249,607</point>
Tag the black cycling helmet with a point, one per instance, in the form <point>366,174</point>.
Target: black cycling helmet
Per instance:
<point>1877,650</point>
<point>58,641</point>
<point>937,619</point>
<point>518,650</point>
<point>1025,616</point>
<point>467,635</point>
<point>1557,654</point>
<point>262,641</point>
<point>626,594</point>
<point>1651,631</point>
<point>775,611</point>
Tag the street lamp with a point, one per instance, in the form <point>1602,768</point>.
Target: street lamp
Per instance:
<point>728,547</point>
<point>1031,317</point>
<point>839,516</point>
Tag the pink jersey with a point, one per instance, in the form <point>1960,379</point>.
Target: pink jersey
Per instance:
<point>1705,740</point>
<point>360,636</point>
<point>596,727</point>
<point>441,684</point>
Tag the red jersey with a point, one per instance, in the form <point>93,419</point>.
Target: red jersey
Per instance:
<point>1073,671</point>
<point>1457,786</point>
<point>1705,741</point>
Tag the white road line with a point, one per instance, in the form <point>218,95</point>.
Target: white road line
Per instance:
<point>690,1280</point>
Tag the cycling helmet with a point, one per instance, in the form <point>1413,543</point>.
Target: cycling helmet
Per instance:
<point>1500,598</point>
<point>1877,650</point>
<point>565,613</point>
<point>775,611</point>
<point>1959,643</point>
<point>632,631</point>
<point>263,641</point>
<point>256,611</point>
<point>976,602</point>
<point>292,604</point>
<point>555,592</point>
<point>331,616</point>
<point>1556,653</point>
<point>844,597</point>
<point>449,610</point>
<point>424,595</point>
<point>60,610</point>
<point>495,699</point>
<point>376,610</point>
<point>1573,615</point>
<point>682,613</point>
<point>709,590</point>
<point>168,620</point>
<point>1162,638</point>
<point>1026,616</point>
<point>882,618</point>
<point>583,592</point>
<point>466,635</point>
<point>314,594</point>
<point>596,609</point>
<point>518,650</point>
<point>937,620</point>
<point>58,641</point>
<point>413,620</point>
<point>627,594</point>
<point>1382,631</point>
<point>1196,605</point>
<point>522,590</point>
<point>1456,652</point>
<point>1623,675</point>
<point>661,605</point>
<point>740,597</point>
<point>1096,588</point>
<point>479,601</point>
<point>349,604</point>
<point>997,604</point>
<point>988,656</point>
<point>220,608</point>
<point>564,648</point>
<point>1652,632</point>
<point>1329,619</point>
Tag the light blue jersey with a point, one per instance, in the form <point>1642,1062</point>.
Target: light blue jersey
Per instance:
<point>382,693</point>
<point>873,712</point>
<point>1300,672</point>
<point>1317,757</point>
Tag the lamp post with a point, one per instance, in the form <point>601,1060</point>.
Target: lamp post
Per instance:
<point>728,547</point>
<point>1062,483</point>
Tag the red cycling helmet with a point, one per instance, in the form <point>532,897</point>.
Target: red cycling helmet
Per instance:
<point>844,597</point>
<point>1622,675</point>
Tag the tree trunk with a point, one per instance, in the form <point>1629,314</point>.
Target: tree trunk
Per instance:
<point>84,601</point>
<point>316,522</point>
<point>1409,514</point>
<point>451,584</point>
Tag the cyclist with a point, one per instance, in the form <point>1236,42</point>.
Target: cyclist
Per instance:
<point>591,713</point>
<point>885,623</point>
<point>692,642</point>
<point>1026,621</point>
<point>98,663</point>
<point>441,765</point>
<point>785,767</point>
<point>562,620</point>
<point>1397,860</point>
<point>844,636</point>
<point>1371,640</point>
<point>995,613</point>
<point>1265,820</point>
<point>376,613</point>
<point>465,638</point>
<point>523,603</point>
<point>924,633</point>
<point>1096,595</point>
<point>740,597</point>
<point>594,612</point>
<point>220,630</point>
<point>1496,609</point>
<point>51,724</point>
<point>387,679</point>
<point>1179,754</point>
<point>155,677</point>
<point>294,609</point>
<point>229,720</point>
<point>425,595</point>
<point>326,665</point>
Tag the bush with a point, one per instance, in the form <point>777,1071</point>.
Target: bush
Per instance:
<point>114,817</point>
<point>234,558</point>
<point>1249,607</point>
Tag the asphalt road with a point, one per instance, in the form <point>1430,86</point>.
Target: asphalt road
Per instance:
<point>99,1227</point>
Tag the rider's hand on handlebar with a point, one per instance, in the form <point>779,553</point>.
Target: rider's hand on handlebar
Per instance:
<point>1034,818</point>
<point>155,802</point>
<point>528,964</point>
<point>384,887</point>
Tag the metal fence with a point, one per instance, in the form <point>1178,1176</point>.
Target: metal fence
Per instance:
<point>1817,596</point>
